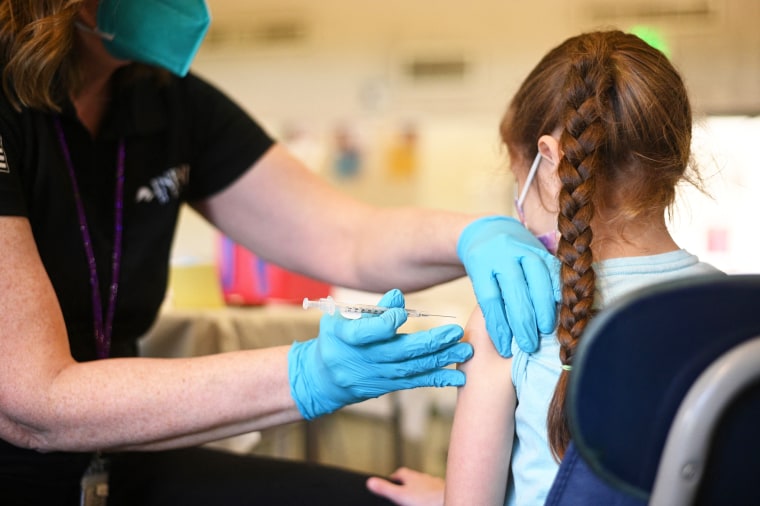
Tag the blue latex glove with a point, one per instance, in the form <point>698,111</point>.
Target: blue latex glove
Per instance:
<point>515,279</point>
<point>355,360</point>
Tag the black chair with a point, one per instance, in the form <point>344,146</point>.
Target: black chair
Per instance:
<point>664,399</point>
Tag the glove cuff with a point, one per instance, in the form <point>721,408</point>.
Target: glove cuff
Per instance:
<point>302,389</point>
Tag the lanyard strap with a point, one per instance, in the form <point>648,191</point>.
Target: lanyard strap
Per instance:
<point>103,326</point>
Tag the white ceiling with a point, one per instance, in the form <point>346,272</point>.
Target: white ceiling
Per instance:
<point>715,43</point>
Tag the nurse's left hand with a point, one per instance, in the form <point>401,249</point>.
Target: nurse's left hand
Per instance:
<point>355,360</point>
<point>515,279</point>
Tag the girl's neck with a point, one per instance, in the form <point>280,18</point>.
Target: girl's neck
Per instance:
<point>642,238</point>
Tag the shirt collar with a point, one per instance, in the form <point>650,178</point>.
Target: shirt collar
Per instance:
<point>138,108</point>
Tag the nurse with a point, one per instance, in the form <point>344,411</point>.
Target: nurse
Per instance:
<point>104,134</point>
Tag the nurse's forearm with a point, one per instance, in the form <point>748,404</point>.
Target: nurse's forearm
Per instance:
<point>140,403</point>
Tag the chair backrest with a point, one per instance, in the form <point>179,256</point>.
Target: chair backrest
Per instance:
<point>636,363</point>
<point>731,381</point>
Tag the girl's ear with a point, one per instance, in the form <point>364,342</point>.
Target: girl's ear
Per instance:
<point>548,146</point>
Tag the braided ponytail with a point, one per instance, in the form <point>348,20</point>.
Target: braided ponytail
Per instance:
<point>583,142</point>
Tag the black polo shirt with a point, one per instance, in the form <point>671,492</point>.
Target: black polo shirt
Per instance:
<point>184,141</point>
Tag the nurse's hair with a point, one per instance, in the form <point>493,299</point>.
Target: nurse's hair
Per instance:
<point>38,52</point>
<point>624,123</point>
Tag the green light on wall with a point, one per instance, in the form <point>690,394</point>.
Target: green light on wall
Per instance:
<point>653,37</point>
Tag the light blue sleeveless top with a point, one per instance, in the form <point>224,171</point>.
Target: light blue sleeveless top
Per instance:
<point>535,375</point>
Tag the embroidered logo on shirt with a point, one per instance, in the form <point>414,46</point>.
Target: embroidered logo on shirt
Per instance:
<point>165,187</point>
<point>4,168</point>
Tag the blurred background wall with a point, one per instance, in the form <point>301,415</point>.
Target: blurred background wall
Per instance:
<point>398,101</point>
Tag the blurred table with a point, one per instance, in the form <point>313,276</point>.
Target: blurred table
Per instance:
<point>190,332</point>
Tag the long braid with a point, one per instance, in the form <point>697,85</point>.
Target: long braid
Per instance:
<point>583,141</point>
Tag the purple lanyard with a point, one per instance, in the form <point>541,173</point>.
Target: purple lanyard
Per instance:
<point>102,331</point>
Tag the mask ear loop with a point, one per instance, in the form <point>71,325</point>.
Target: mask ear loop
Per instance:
<point>529,180</point>
<point>94,31</point>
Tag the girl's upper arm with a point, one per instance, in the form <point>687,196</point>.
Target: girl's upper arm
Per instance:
<point>483,428</point>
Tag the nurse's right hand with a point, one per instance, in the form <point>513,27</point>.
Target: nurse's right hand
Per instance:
<point>355,360</point>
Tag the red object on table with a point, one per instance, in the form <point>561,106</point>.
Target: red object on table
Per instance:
<point>248,280</point>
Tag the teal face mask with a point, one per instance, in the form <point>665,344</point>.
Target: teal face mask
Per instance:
<point>166,33</point>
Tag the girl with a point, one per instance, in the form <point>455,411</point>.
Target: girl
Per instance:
<point>598,136</point>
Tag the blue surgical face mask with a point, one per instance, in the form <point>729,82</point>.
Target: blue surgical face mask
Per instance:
<point>550,240</point>
<point>166,33</point>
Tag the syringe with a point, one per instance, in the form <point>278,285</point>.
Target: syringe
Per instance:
<point>329,305</point>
